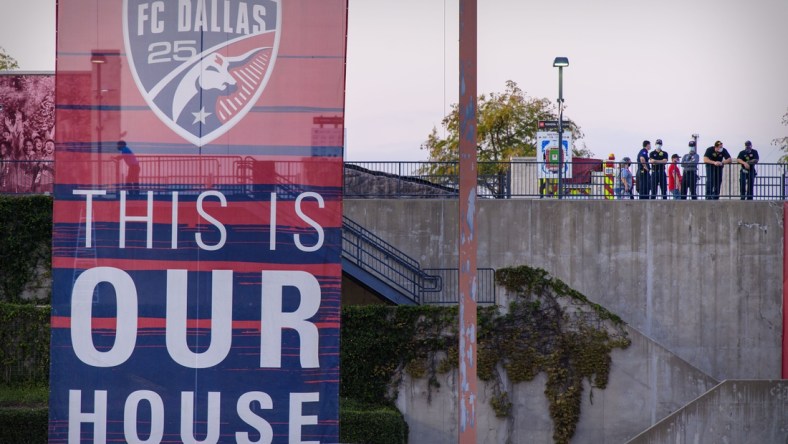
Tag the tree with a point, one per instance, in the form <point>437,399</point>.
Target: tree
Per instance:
<point>782,142</point>
<point>506,128</point>
<point>6,61</point>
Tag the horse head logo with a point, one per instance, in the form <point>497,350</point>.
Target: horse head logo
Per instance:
<point>201,81</point>
<point>211,73</point>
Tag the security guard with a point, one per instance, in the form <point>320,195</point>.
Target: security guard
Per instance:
<point>643,178</point>
<point>658,160</point>
<point>747,158</point>
<point>715,157</point>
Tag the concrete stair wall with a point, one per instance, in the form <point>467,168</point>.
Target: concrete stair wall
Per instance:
<point>735,411</point>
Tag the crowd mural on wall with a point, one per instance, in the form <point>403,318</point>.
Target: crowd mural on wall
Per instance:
<point>27,132</point>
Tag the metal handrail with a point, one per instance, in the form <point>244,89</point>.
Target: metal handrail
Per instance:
<point>393,266</point>
<point>528,178</point>
<point>449,292</point>
<point>400,271</point>
<point>519,178</point>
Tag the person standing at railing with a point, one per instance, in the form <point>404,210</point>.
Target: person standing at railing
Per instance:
<point>624,180</point>
<point>643,179</point>
<point>715,158</point>
<point>689,181</point>
<point>674,176</point>
<point>658,160</point>
<point>133,174</point>
<point>747,158</point>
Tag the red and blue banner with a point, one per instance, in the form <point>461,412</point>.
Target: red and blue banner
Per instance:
<point>197,221</point>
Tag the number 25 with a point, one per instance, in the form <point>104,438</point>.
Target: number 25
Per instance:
<point>179,51</point>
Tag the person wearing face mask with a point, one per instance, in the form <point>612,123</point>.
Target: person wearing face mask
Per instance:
<point>747,158</point>
<point>624,182</point>
<point>658,159</point>
<point>715,158</point>
<point>689,181</point>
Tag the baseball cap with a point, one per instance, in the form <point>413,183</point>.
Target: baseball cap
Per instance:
<point>659,142</point>
<point>691,143</point>
<point>748,143</point>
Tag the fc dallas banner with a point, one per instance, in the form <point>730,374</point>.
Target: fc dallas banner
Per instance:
<point>197,231</point>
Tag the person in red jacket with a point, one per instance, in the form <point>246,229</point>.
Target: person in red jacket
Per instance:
<point>674,177</point>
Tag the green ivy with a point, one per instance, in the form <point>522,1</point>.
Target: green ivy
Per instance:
<point>547,329</point>
<point>25,242</point>
<point>380,342</point>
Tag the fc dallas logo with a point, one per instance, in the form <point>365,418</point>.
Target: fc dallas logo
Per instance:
<point>201,64</point>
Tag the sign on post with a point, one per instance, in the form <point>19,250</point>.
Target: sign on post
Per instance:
<point>552,125</point>
<point>548,153</point>
<point>197,221</point>
<point>547,125</point>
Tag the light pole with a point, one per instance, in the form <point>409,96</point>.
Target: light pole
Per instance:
<point>560,63</point>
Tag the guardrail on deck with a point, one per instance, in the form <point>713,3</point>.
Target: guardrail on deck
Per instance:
<point>583,179</point>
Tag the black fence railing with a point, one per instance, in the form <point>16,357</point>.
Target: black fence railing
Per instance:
<point>448,292</point>
<point>403,273</point>
<point>583,179</point>
<point>236,175</point>
<point>383,260</point>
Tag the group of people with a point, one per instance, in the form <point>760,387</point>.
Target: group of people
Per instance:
<point>652,176</point>
<point>27,168</point>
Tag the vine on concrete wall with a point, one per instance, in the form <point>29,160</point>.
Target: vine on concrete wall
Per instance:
<point>554,329</point>
<point>380,342</point>
<point>548,328</point>
<point>25,243</point>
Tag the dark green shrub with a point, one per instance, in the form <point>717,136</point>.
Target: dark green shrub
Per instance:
<point>25,242</point>
<point>24,345</point>
<point>23,425</point>
<point>363,423</point>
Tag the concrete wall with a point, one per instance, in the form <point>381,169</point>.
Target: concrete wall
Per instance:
<point>646,384</point>
<point>703,279</point>
<point>734,412</point>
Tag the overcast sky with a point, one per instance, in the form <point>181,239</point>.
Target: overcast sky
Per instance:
<point>638,69</point>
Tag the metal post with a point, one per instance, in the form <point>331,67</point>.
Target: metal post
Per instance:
<point>466,388</point>
<point>560,132</point>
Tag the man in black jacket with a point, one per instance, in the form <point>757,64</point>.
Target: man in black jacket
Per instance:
<point>715,158</point>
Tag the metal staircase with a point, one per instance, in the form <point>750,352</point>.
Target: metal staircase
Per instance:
<point>399,278</point>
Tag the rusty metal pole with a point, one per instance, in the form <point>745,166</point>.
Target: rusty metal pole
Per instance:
<point>467,225</point>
